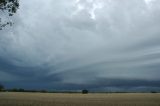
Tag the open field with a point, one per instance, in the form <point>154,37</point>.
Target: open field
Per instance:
<point>53,99</point>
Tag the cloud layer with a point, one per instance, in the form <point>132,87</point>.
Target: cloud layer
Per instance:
<point>82,43</point>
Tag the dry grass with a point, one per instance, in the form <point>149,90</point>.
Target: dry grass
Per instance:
<point>53,99</point>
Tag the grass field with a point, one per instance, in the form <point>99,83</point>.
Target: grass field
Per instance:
<point>53,99</point>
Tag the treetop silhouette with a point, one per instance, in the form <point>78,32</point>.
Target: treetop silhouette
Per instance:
<point>10,7</point>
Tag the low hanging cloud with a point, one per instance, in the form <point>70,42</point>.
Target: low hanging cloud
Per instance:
<point>93,43</point>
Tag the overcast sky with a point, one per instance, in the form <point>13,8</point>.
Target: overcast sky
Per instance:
<point>76,44</point>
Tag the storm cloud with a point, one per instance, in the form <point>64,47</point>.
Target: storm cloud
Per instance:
<point>82,44</point>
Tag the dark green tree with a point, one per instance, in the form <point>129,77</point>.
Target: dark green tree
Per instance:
<point>9,6</point>
<point>84,91</point>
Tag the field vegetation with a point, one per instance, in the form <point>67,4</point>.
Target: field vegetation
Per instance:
<point>91,99</point>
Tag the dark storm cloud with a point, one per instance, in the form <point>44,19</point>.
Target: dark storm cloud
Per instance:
<point>82,44</point>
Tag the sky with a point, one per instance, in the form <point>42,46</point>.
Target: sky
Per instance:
<point>82,44</point>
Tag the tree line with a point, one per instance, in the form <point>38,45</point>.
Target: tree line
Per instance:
<point>2,89</point>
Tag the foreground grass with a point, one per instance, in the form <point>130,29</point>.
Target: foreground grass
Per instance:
<point>53,99</point>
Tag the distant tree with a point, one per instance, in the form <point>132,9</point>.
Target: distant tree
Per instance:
<point>17,90</point>
<point>1,87</point>
<point>153,92</point>
<point>14,90</point>
<point>84,91</point>
<point>43,91</point>
<point>21,90</point>
<point>9,6</point>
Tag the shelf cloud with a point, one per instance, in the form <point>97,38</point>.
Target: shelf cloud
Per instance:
<point>82,43</point>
